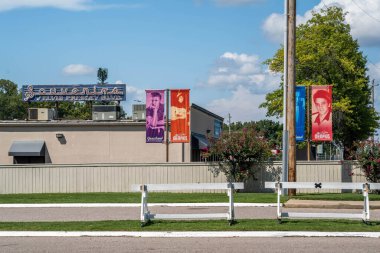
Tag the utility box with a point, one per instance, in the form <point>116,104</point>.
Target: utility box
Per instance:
<point>42,114</point>
<point>139,112</point>
<point>105,112</point>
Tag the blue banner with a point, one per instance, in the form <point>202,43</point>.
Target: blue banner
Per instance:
<point>72,93</point>
<point>300,112</point>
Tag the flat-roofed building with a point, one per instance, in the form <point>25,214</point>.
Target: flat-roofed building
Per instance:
<point>84,142</point>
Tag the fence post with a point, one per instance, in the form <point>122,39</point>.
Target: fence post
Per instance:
<point>278,189</point>
<point>366,188</point>
<point>144,203</point>
<point>231,213</point>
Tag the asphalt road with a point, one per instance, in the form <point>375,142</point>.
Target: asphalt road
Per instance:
<point>220,245</point>
<point>132,213</point>
<point>128,244</point>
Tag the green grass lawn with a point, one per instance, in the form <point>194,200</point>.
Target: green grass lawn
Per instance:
<point>164,197</point>
<point>135,198</point>
<point>215,225</point>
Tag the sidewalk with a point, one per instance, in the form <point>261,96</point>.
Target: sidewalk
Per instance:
<point>295,203</point>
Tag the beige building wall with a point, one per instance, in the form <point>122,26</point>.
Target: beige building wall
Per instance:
<point>91,142</point>
<point>201,121</point>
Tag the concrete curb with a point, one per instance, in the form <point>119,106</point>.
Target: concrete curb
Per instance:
<point>185,234</point>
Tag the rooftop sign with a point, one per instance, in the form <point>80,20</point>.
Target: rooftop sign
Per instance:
<point>72,93</point>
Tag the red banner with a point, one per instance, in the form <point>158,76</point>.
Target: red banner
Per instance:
<point>180,116</point>
<point>321,113</point>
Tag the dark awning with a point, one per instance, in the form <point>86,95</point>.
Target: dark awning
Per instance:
<point>199,141</point>
<point>27,148</point>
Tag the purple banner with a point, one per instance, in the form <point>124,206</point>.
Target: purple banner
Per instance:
<point>155,111</point>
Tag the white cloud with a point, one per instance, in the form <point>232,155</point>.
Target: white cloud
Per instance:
<point>363,17</point>
<point>70,5</point>
<point>274,27</point>
<point>232,70</point>
<point>132,92</point>
<point>135,94</point>
<point>78,70</point>
<point>73,5</point>
<point>236,2</point>
<point>243,105</point>
<point>247,82</point>
<point>374,71</point>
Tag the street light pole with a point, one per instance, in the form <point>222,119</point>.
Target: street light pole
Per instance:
<point>373,103</point>
<point>285,91</point>
<point>229,123</point>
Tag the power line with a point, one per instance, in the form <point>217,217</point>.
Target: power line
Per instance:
<point>323,2</point>
<point>373,64</point>
<point>369,15</point>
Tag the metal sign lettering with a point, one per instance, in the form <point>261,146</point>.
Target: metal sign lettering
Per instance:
<point>72,93</point>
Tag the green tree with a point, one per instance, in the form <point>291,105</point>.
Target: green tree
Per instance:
<point>269,129</point>
<point>241,154</point>
<point>102,75</point>
<point>74,110</point>
<point>68,110</point>
<point>326,54</point>
<point>11,105</point>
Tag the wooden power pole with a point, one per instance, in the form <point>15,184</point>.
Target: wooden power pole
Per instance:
<point>291,94</point>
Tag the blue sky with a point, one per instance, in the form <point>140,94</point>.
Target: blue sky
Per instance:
<point>213,47</point>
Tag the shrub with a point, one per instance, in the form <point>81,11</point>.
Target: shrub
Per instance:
<point>368,155</point>
<point>240,154</point>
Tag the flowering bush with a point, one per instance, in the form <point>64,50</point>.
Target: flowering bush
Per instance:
<point>240,154</point>
<point>368,156</point>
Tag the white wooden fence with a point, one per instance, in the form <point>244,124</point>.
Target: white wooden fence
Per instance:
<point>364,187</point>
<point>146,215</point>
<point>120,177</point>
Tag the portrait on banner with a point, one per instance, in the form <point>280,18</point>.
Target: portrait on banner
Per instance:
<point>155,112</point>
<point>322,113</point>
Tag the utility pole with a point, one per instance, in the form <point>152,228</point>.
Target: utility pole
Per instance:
<point>373,103</point>
<point>291,94</point>
<point>285,91</point>
<point>229,123</point>
<point>373,92</point>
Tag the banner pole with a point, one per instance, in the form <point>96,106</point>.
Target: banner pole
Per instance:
<point>167,125</point>
<point>308,121</point>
